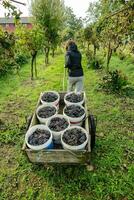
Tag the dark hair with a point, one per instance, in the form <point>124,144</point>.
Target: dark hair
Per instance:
<point>69,43</point>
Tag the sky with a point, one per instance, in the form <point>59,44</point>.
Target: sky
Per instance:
<point>79,7</point>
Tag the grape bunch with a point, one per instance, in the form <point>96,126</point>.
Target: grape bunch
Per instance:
<point>39,137</point>
<point>74,137</point>
<point>74,111</point>
<point>46,112</point>
<point>58,124</point>
<point>49,97</point>
<point>74,98</point>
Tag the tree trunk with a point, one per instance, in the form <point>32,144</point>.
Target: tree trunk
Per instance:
<point>109,55</point>
<point>32,62</point>
<point>94,51</point>
<point>35,66</point>
<point>53,53</point>
<point>88,47</point>
<point>47,49</point>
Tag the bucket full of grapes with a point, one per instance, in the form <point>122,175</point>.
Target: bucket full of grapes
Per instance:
<point>45,112</point>
<point>57,125</point>
<point>39,137</point>
<point>75,113</point>
<point>74,98</point>
<point>74,138</point>
<point>50,98</point>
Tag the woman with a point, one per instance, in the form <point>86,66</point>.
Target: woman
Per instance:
<point>73,63</point>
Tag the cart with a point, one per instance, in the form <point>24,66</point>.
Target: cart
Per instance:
<point>58,155</point>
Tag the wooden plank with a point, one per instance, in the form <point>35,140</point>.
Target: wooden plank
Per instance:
<point>34,120</point>
<point>56,157</point>
<point>87,126</point>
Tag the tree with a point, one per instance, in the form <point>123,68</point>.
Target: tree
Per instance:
<point>93,12</point>
<point>31,40</point>
<point>49,14</point>
<point>12,10</point>
<point>87,35</point>
<point>110,23</point>
<point>55,41</point>
<point>66,34</point>
<point>72,21</point>
<point>7,44</point>
<point>90,37</point>
<point>79,36</point>
<point>72,24</point>
<point>8,40</point>
<point>113,24</point>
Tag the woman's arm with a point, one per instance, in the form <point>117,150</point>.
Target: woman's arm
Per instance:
<point>67,60</point>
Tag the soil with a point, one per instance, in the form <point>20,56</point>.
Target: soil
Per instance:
<point>74,137</point>
<point>46,112</point>
<point>58,124</point>
<point>74,98</point>
<point>74,111</point>
<point>39,137</point>
<point>49,97</point>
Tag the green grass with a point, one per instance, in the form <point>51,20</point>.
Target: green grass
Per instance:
<point>126,66</point>
<point>112,178</point>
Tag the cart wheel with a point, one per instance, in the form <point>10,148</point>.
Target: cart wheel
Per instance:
<point>92,129</point>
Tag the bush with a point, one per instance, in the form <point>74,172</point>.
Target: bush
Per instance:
<point>93,63</point>
<point>21,59</point>
<point>7,44</point>
<point>7,66</point>
<point>114,81</point>
<point>121,55</point>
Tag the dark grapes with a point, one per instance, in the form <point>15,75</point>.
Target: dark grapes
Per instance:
<point>74,98</point>
<point>39,137</point>
<point>46,112</point>
<point>74,111</point>
<point>58,124</point>
<point>74,137</point>
<point>49,97</point>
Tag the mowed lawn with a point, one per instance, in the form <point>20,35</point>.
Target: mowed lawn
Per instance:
<point>113,175</point>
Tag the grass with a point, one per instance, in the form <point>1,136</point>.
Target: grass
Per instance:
<point>126,66</point>
<point>113,176</point>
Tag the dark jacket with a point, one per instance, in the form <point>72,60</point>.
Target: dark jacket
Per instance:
<point>73,61</point>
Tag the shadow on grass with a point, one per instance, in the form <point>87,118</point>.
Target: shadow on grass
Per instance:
<point>128,92</point>
<point>63,177</point>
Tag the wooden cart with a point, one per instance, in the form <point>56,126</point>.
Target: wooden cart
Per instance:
<point>58,155</point>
